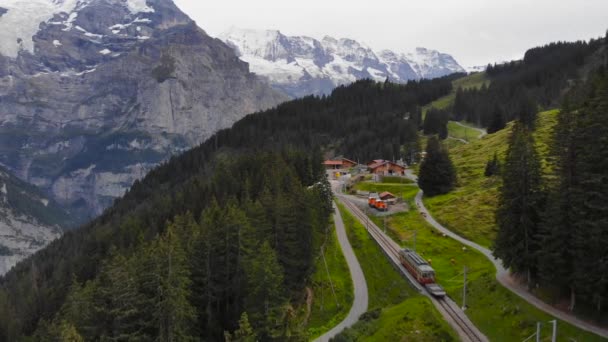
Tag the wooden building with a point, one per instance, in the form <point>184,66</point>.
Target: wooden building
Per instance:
<point>386,168</point>
<point>339,163</point>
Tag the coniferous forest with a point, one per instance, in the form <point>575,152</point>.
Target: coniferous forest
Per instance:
<point>217,243</point>
<point>219,239</point>
<point>553,230</point>
<point>519,89</point>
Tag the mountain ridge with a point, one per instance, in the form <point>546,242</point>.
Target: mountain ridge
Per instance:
<point>109,89</point>
<point>302,65</point>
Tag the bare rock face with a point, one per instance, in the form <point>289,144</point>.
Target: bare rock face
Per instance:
<point>101,91</point>
<point>28,220</point>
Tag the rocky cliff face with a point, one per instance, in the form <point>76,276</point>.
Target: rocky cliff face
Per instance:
<point>94,93</point>
<point>29,220</point>
<point>302,66</point>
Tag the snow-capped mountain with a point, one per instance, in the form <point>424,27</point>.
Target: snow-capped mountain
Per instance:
<point>28,220</point>
<point>95,93</point>
<point>302,65</point>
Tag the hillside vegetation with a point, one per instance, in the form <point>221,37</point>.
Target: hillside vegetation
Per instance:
<point>268,169</point>
<point>498,313</point>
<point>469,210</point>
<point>396,311</point>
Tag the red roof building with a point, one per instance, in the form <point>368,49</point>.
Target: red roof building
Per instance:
<point>340,163</point>
<point>386,168</point>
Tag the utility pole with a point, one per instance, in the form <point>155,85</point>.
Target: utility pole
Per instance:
<point>415,233</point>
<point>464,291</point>
<point>538,324</point>
<point>384,224</point>
<point>554,335</point>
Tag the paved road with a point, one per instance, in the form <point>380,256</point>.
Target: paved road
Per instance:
<point>360,285</point>
<point>504,278</point>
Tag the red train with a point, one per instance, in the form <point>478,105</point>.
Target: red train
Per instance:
<point>421,270</point>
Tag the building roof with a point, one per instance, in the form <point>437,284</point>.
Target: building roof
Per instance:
<point>377,164</point>
<point>332,162</point>
<point>375,161</point>
<point>384,162</point>
<point>348,160</point>
<point>387,194</point>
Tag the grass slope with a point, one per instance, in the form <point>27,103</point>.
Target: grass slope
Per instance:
<point>327,310</point>
<point>476,80</point>
<point>396,312</point>
<point>469,209</point>
<point>498,313</point>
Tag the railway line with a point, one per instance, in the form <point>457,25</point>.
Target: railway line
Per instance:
<point>450,310</point>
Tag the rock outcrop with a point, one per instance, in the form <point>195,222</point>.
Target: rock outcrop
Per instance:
<point>95,93</point>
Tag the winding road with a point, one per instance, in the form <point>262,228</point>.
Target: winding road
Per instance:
<point>503,276</point>
<point>360,285</point>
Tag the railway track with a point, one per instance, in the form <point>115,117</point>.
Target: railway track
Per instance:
<point>456,315</point>
<point>448,308</point>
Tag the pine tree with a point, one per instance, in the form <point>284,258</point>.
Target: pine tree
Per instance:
<point>590,196</point>
<point>527,111</point>
<point>173,311</point>
<point>244,333</point>
<point>556,258</point>
<point>520,206</point>
<point>264,289</point>
<point>498,121</point>
<point>492,166</point>
<point>437,173</point>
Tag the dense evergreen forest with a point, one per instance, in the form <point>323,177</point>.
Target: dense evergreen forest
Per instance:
<point>520,88</point>
<point>216,239</point>
<point>554,230</point>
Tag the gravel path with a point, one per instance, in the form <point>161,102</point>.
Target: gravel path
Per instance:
<point>482,132</point>
<point>360,285</point>
<point>504,278</point>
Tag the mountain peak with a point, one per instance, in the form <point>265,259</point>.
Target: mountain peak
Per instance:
<point>301,66</point>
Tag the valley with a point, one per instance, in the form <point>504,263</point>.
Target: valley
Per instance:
<point>162,182</point>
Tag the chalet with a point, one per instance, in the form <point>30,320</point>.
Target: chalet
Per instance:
<point>386,168</point>
<point>339,163</point>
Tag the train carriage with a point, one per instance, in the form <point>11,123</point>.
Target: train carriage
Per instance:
<point>417,266</point>
<point>421,270</point>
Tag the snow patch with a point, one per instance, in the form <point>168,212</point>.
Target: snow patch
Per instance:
<point>57,43</point>
<point>3,189</point>
<point>139,6</point>
<point>142,21</point>
<point>22,21</point>
<point>105,52</point>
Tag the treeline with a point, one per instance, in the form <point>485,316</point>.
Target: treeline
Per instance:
<point>277,196</point>
<point>554,230</point>
<point>244,252</point>
<point>520,88</point>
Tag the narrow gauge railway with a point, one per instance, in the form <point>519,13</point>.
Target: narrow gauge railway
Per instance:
<point>454,315</point>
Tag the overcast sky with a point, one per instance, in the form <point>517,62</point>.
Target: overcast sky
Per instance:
<point>475,32</point>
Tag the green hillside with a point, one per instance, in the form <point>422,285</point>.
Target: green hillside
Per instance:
<point>396,311</point>
<point>469,209</point>
<point>498,313</point>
